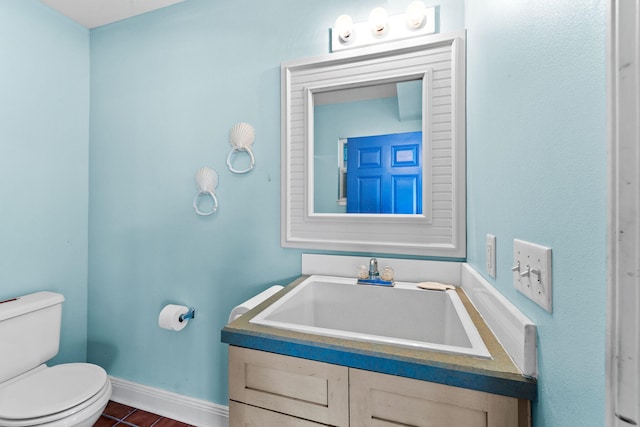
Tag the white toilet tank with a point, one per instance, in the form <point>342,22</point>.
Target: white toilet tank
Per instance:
<point>29,332</point>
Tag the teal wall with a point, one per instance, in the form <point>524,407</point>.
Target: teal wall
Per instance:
<point>44,144</point>
<point>166,88</point>
<point>536,170</point>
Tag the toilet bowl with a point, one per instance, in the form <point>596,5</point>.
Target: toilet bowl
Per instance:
<point>32,393</point>
<point>72,394</point>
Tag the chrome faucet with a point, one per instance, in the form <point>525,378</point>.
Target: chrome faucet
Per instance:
<point>374,275</point>
<point>373,269</point>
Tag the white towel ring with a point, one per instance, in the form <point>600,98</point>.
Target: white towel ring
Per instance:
<point>239,149</point>
<point>204,193</point>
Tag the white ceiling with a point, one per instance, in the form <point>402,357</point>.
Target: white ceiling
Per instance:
<point>94,13</point>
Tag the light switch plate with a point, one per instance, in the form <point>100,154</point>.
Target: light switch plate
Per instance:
<point>491,255</point>
<point>532,272</point>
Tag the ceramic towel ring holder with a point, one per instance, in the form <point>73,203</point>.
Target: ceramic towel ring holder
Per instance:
<point>206,183</point>
<point>241,138</point>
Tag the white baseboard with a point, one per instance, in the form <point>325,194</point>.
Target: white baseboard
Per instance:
<point>171,405</point>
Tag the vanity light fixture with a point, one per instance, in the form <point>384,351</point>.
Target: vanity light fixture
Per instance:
<point>378,21</point>
<point>417,20</point>
<point>416,12</point>
<point>344,28</point>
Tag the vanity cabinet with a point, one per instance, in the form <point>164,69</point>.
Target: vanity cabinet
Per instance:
<point>247,415</point>
<point>267,389</point>
<point>305,389</point>
<point>386,400</point>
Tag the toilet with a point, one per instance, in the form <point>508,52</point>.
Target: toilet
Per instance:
<point>32,393</point>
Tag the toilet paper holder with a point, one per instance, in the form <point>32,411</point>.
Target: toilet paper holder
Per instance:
<point>191,314</point>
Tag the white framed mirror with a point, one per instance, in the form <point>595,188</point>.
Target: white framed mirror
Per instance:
<point>399,108</point>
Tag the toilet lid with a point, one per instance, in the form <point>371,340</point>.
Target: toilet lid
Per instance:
<point>50,390</point>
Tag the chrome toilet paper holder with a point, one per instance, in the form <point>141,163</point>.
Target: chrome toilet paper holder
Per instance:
<point>191,314</point>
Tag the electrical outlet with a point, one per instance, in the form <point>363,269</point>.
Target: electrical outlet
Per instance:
<point>491,255</point>
<point>532,272</point>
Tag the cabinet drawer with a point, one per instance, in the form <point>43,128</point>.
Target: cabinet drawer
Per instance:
<point>303,388</point>
<point>379,400</point>
<point>241,415</point>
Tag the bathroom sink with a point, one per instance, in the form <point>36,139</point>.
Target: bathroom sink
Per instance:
<point>402,315</point>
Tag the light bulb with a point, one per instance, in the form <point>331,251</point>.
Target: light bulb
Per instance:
<point>415,14</point>
<point>378,20</point>
<point>344,27</point>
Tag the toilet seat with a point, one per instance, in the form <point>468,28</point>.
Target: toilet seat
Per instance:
<point>45,394</point>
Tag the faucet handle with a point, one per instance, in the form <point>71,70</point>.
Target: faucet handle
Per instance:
<point>363,272</point>
<point>387,274</point>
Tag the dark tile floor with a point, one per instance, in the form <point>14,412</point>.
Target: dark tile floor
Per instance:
<point>126,416</point>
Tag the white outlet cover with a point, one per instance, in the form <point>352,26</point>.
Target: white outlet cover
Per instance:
<point>533,272</point>
<point>490,255</point>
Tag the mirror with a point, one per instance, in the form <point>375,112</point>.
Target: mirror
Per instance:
<point>329,126</point>
<point>384,124</point>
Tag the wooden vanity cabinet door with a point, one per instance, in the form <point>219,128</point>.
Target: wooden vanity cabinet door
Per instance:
<point>241,415</point>
<point>378,400</point>
<point>306,389</point>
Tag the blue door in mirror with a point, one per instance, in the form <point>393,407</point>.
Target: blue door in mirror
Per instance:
<point>384,174</point>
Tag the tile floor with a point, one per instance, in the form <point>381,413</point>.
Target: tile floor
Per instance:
<point>117,414</point>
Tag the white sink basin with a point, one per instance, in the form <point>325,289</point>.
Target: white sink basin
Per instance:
<point>403,315</point>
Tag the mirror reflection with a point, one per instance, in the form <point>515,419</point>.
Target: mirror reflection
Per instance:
<point>368,155</point>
